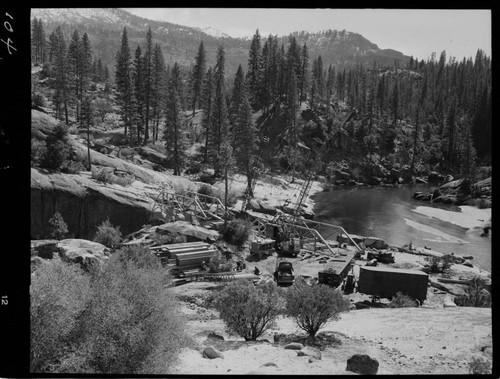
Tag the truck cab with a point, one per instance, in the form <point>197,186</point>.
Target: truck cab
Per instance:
<point>284,273</point>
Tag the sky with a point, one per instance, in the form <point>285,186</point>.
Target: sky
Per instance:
<point>414,32</point>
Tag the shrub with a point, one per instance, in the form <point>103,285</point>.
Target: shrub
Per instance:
<point>57,148</point>
<point>130,321</point>
<point>37,100</point>
<point>476,294</point>
<point>38,151</point>
<point>219,264</point>
<point>440,264</point>
<point>249,311</point>
<point>58,296</point>
<point>312,306</point>
<point>479,366</point>
<point>57,227</point>
<point>402,301</point>
<point>108,234</point>
<point>238,232</point>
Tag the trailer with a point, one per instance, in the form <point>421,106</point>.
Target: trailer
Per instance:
<point>386,282</point>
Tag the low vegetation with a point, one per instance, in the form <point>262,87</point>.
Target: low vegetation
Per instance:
<point>476,294</point>
<point>440,264</point>
<point>120,319</point>
<point>108,235</point>
<point>313,306</point>
<point>58,228</point>
<point>249,311</point>
<point>402,300</point>
<point>219,264</point>
<point>238,232</point>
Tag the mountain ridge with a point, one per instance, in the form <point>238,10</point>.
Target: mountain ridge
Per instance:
<point>343,49</point>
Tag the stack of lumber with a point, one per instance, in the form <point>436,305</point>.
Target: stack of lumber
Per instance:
<point>187,255</point>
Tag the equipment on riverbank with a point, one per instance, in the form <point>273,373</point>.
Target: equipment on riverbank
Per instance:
<point>336,271</point>
<point>284,273</point>
<point>386,282</point>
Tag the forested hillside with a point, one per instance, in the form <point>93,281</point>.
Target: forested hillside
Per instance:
<point>284,110</point>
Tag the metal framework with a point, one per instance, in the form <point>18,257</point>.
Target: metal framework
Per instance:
<point>196,204</point>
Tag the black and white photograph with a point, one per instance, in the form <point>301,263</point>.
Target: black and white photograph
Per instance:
<point>262,191</point>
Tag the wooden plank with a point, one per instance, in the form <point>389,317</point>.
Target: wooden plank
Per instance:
<point>180,244</point>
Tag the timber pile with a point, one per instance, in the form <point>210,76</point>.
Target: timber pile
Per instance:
<point>187,255</point>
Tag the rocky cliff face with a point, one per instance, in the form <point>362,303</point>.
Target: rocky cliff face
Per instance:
<point>84,204</point>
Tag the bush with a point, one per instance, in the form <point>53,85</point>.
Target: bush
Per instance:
<point>108,234</point>
<point>58,148</point>
<point>479,366</point>
<point>402,301</point>
<point>249,311</point>
<point>57,227</point>
<point>238,232</point>
<point>312,306</point>
<point>38,151</point>
<point>128,323</point>
<point>219,264</point>
<point>440,264</point>
<point>37,100</point>
<point>58,296</point>
<point>476,294</point>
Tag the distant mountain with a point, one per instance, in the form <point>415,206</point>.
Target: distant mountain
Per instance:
<point>180,43</point>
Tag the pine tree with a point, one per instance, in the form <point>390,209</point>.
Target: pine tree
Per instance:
<point>291,109</point>
<point>148,81</point>
<point>86,121</point>
<point>174,123</point>
<point>74,66</point>
<point>245,139</point>
<point>197,77</point>
<point>219,115</point>
<point>158,88</point>
<point>123,80</point>
<point>60,67</point>
<point>86,64</point>
<point>206,121</point>
<point>304,73</point>
<point>236,96</point>
<point>138,83</point>
<point>254,73</point>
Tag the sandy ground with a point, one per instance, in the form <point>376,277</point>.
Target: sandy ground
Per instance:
<point>404,341</point>
<point>469,217</point>
<point>430,339</point>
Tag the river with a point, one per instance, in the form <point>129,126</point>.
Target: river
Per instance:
<point>393,215</point>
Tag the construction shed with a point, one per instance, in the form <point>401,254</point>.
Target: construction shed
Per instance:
<point>386,282</point>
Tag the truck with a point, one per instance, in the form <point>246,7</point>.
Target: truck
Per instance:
<point>284,273</point>
<point>336,271</point>
<point>386,282</point>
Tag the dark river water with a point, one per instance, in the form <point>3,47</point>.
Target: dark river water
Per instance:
<point>389,213</point>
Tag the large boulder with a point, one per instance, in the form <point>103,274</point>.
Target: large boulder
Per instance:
<point>84,204</point>
<point>212,353</point>
<point>451,185</point>
<point>152,155</point>
<point>83,252</point>
<point>187,229</point>
<point>362,364</point>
